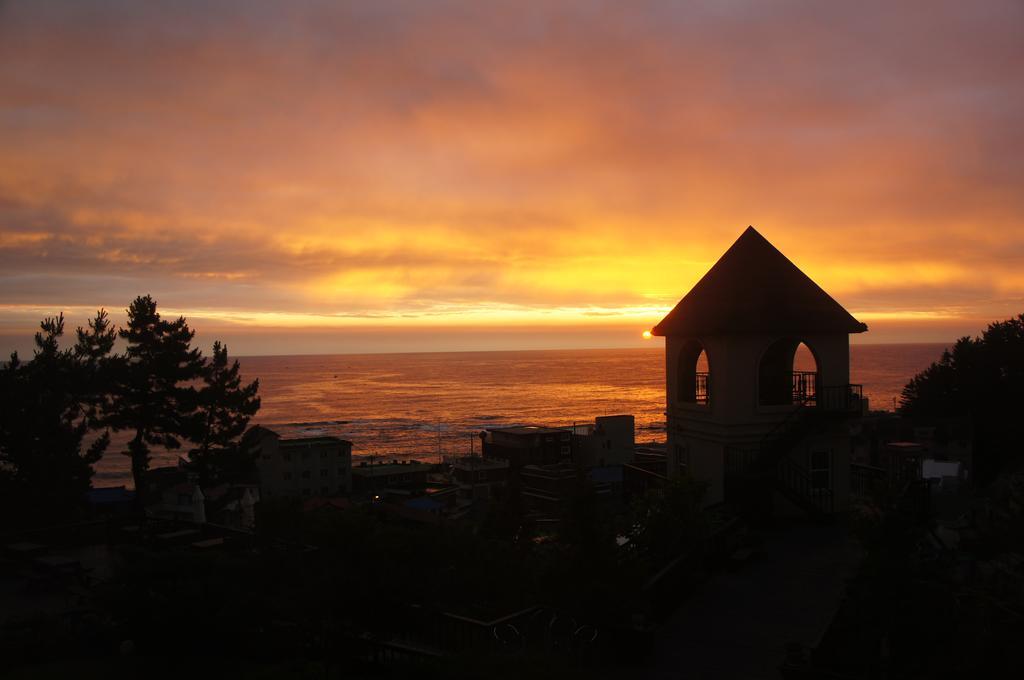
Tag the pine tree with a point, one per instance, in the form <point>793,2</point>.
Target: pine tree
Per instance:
<point>44,473</point>
<point>225,408</point>
<point>153,396</point>
<point>981,379</point>
<point>97,368</point>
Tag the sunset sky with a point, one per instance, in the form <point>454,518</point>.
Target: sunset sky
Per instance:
<point>404,176</point>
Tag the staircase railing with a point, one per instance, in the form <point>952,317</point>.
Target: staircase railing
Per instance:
<point>771,463</point>
<point>797,483</point>
<point>841,398</point>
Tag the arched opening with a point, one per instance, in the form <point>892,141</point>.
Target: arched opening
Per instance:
<point>788,374</point>
<point>694,376</point>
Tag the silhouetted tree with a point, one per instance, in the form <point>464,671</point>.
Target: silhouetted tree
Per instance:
<point>97,367</point>
<point>44,473</point>
<point>225,408</point>
<point>153,396</point>
<point>983,379</point>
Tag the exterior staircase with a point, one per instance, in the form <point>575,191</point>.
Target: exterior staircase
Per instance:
<point>751,476</point>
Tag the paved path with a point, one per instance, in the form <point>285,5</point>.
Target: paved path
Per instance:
<point>737,624</point>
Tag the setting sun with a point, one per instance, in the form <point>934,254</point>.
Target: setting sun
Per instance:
<point>647,335</point>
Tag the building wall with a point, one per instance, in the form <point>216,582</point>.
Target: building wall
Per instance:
<point>611,441</point>
<point>540,448</point>
<point>734,419</point>
<point>289,468</point>
<point>404,475</point>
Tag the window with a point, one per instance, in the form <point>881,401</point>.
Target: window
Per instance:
<point>305,492</point>
<point>821,469</point>
<point>324,490</point>
<point>323,473</point>
<point>287,475</point>
<point>287,456</point>
<point>305,474</point>
<point>693,374</point>
<point>787,374</point>
<point>683,459</point>
<point>305,455</point>
<point>323,454</point>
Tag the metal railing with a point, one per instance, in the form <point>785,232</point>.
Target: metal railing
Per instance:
<point>702,388</point>
<point>841,398</point>
<point>805,387</point>
<point>796,479</point>
<point>867,480</point>
<point>771,461</point>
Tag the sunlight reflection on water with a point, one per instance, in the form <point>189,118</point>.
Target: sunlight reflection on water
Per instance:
<point>393,404</point>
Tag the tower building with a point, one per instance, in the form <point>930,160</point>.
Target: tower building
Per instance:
<point>766,426</point>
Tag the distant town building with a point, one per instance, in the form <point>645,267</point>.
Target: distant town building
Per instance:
<point>370,477</point>
<point>528,445</point>
<point>609,440</point>
<point>303,466</point>
<point>174,493</point>
<point>547,488</point>
<point>178,502</point>
<point>746,421</point>
<point>479,479</point>
<point>649,470</point>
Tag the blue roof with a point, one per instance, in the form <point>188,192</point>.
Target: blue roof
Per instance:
<point>110,494</point>
<point>422,503</point>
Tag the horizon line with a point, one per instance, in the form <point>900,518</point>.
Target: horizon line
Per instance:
<point>532,349</point>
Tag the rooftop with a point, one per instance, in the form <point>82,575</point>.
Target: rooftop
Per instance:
<point>478,463</point>
<point>529,429</point>
<point>754,288</point>
<point>307,441</point>
<point>295,441</point>
<point>366,469</point>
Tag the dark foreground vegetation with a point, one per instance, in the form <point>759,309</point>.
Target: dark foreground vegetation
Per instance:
<point>350,592</point>
<point>322,590</point>
<point>941,590</point>
<point>347,590</point>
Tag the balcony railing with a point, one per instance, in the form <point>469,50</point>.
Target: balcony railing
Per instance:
<point>844,398</point>
<point>807,392</point>
<point>702,388</point>
<point>805,387</point>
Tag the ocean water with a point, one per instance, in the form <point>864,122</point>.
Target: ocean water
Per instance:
<point>427,405</point>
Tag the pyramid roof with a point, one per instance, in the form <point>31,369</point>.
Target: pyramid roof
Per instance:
<point>754,288</point>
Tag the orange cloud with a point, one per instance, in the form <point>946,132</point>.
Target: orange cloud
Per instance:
<point>489,164</point>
